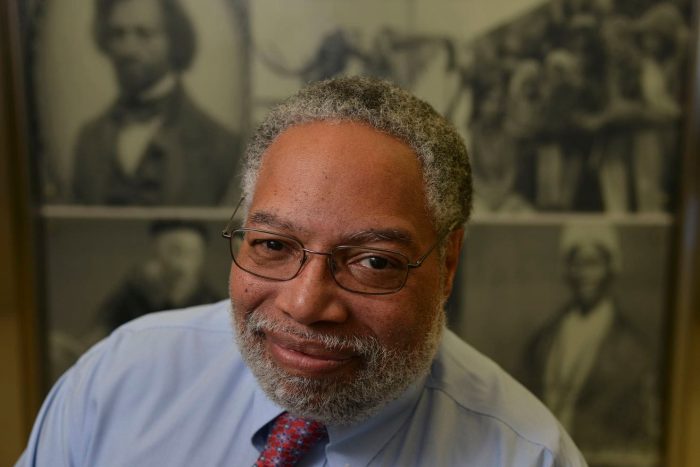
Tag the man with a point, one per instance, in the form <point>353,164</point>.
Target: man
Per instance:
<point>173,277</point>
<point>589,364</point>
<point>154,145</point>
<point>355,197</point>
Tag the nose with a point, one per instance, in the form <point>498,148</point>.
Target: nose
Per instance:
<point>126,45</point>
<point>312,296</point>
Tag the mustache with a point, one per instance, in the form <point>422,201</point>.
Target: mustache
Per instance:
<point>257,323</point>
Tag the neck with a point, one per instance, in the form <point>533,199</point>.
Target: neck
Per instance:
<point>157,90</point>
<point>586,307</point>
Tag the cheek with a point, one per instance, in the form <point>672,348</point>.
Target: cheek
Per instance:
<point>242,290</point>
<point>248,292</point>
<point>401,321</point>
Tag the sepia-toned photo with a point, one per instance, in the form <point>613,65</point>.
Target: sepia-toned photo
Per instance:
<point>571,111</point>
<point>140,101</point>
<point>566,106</point>
<point>155,265</point>
<point>580,320</point>
<point>576,107</point>
<point>331,38</point>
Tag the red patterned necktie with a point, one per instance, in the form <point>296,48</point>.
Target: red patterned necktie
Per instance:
<point>288,441</point>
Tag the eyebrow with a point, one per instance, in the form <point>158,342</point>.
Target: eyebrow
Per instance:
<point>268,219</point>
<point>271,220</point>
<point>381,235</point>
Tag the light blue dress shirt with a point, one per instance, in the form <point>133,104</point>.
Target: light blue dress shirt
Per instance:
<point>171,389</point>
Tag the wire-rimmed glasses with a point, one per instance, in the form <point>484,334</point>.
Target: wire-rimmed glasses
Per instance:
<point>355,268</point>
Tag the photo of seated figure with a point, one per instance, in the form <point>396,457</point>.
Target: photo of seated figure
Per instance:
<point>173,277</point>
<point>589,363</point>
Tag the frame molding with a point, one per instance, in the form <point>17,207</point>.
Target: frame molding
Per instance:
<point>20,346</point>
<point>683,406</point>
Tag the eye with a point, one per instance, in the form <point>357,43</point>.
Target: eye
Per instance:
<point>274,245</point>
<point>115,33</point>
<point>375,262</point>
<point>270,246</point>
<point>145,33</point>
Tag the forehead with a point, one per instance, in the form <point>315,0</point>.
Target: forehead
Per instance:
<point>145,12</point>
<point>589,251</point>
<point>179,236</point>
<point>343,174</point>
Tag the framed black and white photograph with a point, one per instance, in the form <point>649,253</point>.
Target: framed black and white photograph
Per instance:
<point>155,264</point>
<point>573,113</point>
<point>566,106</point>
<point>576,309</point>
<point>330,39</point>
<point>139,102</point>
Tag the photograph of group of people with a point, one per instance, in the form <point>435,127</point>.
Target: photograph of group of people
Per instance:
<point>571,106</point>
<point>571,111</point>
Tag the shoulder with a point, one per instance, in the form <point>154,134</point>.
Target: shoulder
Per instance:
<point>625,346</point>
<point>628,335</point>
<point>99,123</point>
<point>539,344</point>
<point>202,322</point>
<point>196,122</point>
<point>148,348</point>
<point>547,331</point>
<point>171,373</point>
<point>95,139</point>
<point>197,319</point>
<point>204,326</point>
<point>483,397</point>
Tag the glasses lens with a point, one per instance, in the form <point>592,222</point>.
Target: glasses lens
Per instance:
<point>266,254</point>
<point>369,270</point>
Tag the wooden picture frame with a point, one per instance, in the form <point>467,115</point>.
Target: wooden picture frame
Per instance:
<point>28,213</point>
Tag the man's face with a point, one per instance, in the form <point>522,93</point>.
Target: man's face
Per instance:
<point>589,274</point>
<point>319,350</point>
<point>137,44</point>
<point>180,252</point>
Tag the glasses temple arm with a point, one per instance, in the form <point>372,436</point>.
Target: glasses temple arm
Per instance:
<point>420,260</point>
<point>229,225</point>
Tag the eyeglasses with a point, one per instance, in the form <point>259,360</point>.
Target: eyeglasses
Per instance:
<point>359,269</point>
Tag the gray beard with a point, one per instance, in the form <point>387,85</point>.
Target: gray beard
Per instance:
<point>385,373</point>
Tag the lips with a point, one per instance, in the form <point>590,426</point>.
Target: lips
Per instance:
<point>306,358</point>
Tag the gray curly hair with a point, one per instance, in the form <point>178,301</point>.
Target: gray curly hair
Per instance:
<point>385,107</point>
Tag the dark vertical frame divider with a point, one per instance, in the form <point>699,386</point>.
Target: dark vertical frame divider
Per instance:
<point>684,393</point>
<point>20,346</point>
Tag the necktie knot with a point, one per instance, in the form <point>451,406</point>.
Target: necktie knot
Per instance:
<point>289,440</point>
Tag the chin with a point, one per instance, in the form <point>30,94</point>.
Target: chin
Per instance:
<point>353,394</point>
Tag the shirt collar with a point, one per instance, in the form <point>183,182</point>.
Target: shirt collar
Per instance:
<point>160,100</point>
<point>602,311</point>
<point>360,443</point>
<point>264,411</point>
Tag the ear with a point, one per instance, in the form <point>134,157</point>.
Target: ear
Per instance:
<point>453,252</point>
